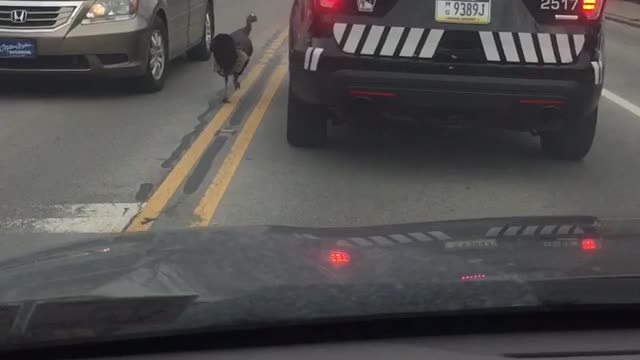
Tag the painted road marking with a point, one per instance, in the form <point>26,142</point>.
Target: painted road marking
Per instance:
<point>209,202</point>
<point>624,103</point>
<point>163,193</point>
<point>75,218</point>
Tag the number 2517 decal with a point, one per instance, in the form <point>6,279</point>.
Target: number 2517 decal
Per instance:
<point>558,4</point>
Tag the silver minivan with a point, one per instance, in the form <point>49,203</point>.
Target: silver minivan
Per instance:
<point>126,38</point>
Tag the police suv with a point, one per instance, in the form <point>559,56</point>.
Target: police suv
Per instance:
<point>525,65</point>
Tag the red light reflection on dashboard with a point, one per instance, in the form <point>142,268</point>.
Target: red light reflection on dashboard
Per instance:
<point>589,244</point>
<point>472,277</point>
<point>339,257</point>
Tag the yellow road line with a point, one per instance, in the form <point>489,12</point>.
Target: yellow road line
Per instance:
<point>212,197</point>
<point>163,193</point>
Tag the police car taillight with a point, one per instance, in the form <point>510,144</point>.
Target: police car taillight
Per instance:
<point>329,4</point>
<point>592,8</point>
<point>323,16</point>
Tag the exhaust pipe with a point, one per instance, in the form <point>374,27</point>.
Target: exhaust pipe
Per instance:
<point>361,102</point>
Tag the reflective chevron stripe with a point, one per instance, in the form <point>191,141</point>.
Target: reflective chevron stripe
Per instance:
<point>311,58</point>
<point>598,72</point>
<point>531,45</point>
<point>529,48</point>
<point>431,44</point>
<point>546,47</point>
<point>509,47</point>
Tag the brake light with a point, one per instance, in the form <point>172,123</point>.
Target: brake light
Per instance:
<point>329,4</point>
<point>337,257</point>
<point>589,245</point>
<point>324,14</point>
<point>592,8</point>
<point>472,277</point>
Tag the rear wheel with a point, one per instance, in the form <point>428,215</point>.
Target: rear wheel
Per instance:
<point>573,141</point>
<point>153,79</point>
<point>306,124</point>
<point>201,52</point>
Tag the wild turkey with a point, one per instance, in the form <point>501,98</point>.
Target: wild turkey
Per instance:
<point>232,53</point>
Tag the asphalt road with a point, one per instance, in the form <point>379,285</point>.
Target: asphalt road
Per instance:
<point>80,156</point>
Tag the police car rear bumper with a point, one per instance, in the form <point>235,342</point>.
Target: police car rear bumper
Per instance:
<point>493,95</point>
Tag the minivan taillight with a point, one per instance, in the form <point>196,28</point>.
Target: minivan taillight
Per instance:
<point>592,8</point>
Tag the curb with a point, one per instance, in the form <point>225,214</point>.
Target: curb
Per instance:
<point>622,20</point>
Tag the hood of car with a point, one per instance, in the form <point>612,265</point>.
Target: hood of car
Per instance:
<point>225,261</point>
<point>247,275</point>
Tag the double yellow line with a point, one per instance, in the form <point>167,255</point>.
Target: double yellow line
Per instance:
<point>213,195</point>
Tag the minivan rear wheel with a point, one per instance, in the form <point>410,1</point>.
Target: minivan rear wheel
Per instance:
<point>201,52</point>
<point>158,59</point>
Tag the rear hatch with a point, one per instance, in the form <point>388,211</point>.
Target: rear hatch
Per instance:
<point>469,31</point>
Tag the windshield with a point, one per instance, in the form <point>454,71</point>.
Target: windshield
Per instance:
<point>437,156</point>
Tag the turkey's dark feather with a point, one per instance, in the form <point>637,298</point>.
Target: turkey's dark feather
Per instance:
<point>243,42</point>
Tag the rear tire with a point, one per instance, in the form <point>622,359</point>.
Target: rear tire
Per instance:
<point>573,142</point>
<point>153,80</point>
<point>306,124</point>
<point>202,52</point>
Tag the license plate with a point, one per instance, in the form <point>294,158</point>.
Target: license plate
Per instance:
<point>17,48</point>
<point>463,11</point>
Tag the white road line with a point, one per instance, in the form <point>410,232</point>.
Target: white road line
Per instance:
<point>75,218</point>
<point>624,103</point>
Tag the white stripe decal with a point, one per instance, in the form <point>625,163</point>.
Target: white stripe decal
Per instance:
<point>546,48</point>
<point>578,40</point>
<point>315,58</point>
<point>373,39</point>
<point>338,31</point>
<point>528,49</point>
<point>81,218</point>
<point>307,58</point>
<point>410,45</point>
<point>564,48</point>
<point>489,46</point>
<point>509,47</point>
<point>596,71</point>
<point>431,45</point>
<point>354,38</point>
<point>392,41</point>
